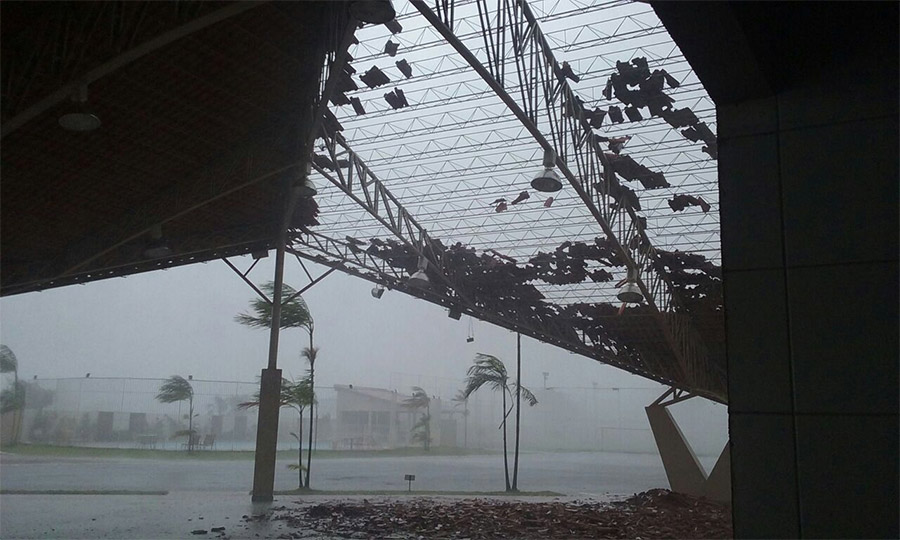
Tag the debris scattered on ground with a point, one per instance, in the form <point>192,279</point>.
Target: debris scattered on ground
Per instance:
<point>657,513</point>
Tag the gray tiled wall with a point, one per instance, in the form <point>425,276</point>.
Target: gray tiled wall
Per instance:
<point>809,194</point>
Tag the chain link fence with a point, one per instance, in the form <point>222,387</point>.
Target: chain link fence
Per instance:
<point>124,413</point>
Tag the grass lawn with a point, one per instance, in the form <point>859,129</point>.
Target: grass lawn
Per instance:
<point>46,450</point>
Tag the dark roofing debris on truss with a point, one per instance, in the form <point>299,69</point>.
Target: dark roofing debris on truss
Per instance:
<point>499,283</point>
<point>374,77</point>
<point>649,94</point>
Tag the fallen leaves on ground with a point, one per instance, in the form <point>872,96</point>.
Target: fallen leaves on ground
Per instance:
<point>657,513</point>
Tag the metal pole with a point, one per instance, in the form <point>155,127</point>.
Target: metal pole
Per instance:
<point>276,294</point>
<point>270,379</point>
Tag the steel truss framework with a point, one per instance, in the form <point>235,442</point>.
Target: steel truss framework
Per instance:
<point>457,147</point>
<point>349,258</point>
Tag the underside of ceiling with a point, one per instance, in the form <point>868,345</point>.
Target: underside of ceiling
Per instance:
<point>196,135</point>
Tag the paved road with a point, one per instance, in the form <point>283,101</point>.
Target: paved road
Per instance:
<point>568,473</point>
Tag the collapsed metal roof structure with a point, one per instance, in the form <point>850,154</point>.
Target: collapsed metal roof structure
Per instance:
<point>436,125</point>
<point>431,154</point>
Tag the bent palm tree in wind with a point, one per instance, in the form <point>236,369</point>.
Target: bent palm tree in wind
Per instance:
<point>490,371</point>
<point>294,314</point>
<point>422,428</point>
<point>12,399</point>
<point>175,389</point>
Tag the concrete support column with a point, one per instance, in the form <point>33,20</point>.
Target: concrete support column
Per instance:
<point>266,435</point>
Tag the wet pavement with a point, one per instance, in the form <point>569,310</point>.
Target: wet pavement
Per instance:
<point>203,495</point>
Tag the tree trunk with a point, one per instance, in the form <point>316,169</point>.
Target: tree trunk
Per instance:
<point>466,424</point>
<point>515,482</point>
<point>20,406</point>
<point>191,424</point>
<point>312,405</point>
<point>300,449</point>
<point>505,457</point>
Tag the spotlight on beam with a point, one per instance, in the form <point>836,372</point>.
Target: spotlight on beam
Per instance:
<point>630,292</point>
<point>78,116</point>
<point>157,247</point>
<point>305,186</point>
<point>454,314</point>
<point>420,279</point>
<point>377,291</point>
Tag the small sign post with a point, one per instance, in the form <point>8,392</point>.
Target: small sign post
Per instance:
<point>409,478</point>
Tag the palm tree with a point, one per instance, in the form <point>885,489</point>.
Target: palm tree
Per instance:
<point>8,362</point>
<point>490,370</point>
<point>422,428</point>
<point>421,431</point>
<point>461,398</point>
<point>296,395</point>
<point>310,353</point>
<point>11,400</point>
<point>294,314</point>
<point>174,389</point>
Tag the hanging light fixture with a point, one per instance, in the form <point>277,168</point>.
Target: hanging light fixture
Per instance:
<point>373,11</point>
<point>420,279</point>
<point>306,187</point>
<point>630,292</point>
<point>546,179</point>
<point>79,117</point>
<point>157,247</point>
<point>377,291</point>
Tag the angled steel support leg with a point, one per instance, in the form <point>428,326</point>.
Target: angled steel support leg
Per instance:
<point>683,469</point>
